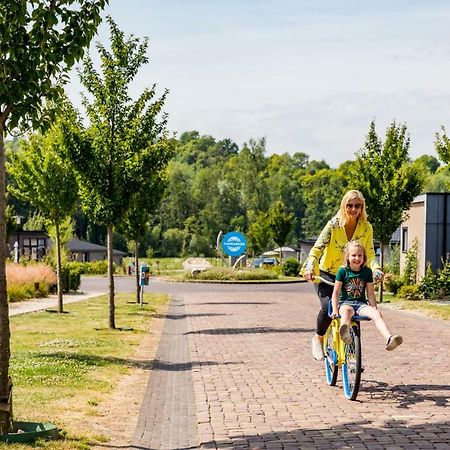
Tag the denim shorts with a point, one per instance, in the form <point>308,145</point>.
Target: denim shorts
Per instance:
<point>357,305</point>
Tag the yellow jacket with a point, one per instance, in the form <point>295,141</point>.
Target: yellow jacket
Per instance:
<point>327,252</point>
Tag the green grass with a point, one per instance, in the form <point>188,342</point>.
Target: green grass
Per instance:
<point>431,308</point>
<point>63,365</point>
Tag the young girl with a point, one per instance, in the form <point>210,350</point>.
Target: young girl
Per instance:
<point>349,295</point>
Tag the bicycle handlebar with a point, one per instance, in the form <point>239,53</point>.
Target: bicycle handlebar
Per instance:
<point>323,280</point>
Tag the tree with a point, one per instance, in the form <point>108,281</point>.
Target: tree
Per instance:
<point>442,144</point>
<point>322,192</point>
<point>388,181</point>
<point>280,224</point>
<point>259,234</point>
<point>135,221</point>
<point>124,143</point>
<point>45,180</point>
<point>40,43</point>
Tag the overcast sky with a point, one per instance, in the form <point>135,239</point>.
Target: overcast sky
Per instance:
<point>309,75</point>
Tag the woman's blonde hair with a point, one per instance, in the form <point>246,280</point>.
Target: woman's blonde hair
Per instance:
<point>346,252</point>
<point>342,213</point>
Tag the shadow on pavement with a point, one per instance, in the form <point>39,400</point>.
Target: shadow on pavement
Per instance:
<point>254,330</point>
<point>178,367</point>
<point>184,316</point>
<point>395,434</point>
<point>234,303</point>
<point>406,395</point>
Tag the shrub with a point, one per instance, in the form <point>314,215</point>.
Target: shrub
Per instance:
<point>443,278</point>
<point>71,277</point>
<point>291,267</point>
<point>429,285</point>
<point>392,282</point>
<point>224,273</point>
<point>411,265</point>
<point>409,292</point>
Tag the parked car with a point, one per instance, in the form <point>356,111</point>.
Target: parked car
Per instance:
<point>264,261</point>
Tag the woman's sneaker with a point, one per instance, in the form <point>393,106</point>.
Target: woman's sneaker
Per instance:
<point>393,342</point>
<point>344,331</point>
<point>317,349</point>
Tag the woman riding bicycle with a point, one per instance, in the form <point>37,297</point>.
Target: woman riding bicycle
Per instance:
<point>349,224</point>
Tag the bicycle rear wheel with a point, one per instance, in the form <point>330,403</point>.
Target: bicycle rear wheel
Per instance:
<point>331,366</point>
<point>351,368</point>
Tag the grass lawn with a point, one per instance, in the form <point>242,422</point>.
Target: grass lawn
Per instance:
<point>64,365</point>
<point>431,308</point>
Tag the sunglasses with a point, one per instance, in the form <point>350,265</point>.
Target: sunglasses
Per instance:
<point>354,205</point>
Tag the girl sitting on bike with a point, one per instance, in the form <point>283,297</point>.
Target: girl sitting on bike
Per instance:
<point>349,295</point>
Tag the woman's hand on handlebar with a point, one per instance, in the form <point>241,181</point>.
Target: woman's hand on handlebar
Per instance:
<point>334,313</point>
<point>309,275</point>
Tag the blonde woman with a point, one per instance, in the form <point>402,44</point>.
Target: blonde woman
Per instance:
<point>349,224</point>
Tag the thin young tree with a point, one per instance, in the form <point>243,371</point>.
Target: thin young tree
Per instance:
<point>281,223</point>
<point>46,181</point>
<point>40,42</point>
<point>389,182</point>
<point>135,223</point>
<point>124,142</point>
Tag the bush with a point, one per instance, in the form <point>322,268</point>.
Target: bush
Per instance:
<point>410,292</point>
<point>392,283</point>
<point>71,277</point>
<point>433,286</point>
<point>429,285</point>
<point>224,273</point>
<point>291,267</point>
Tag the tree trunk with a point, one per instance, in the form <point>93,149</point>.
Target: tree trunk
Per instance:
<point>58,270</point>
<point>380,287</point>
<point>112,321</point>
<point>5,351</point>
<point>137,274</point>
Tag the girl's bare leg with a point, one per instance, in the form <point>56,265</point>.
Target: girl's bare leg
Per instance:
<point>375,315</point>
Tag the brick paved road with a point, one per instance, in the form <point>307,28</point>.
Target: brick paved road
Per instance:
<point>256,385</point>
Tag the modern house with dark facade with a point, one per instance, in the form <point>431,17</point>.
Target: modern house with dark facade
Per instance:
<point>428,221</point>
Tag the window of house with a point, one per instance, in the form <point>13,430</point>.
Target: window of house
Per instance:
<point>404,239</point>
<point>33,248</point>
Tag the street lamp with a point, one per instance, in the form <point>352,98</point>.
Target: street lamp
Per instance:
<point>17,247</point>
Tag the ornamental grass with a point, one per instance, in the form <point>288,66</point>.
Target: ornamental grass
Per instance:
<point>29,281</point>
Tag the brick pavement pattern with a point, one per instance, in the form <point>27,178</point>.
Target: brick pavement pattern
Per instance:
<point>256,385</point>
<point>167,417</point>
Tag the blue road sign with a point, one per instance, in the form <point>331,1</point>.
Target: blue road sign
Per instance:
<point>234,243</point>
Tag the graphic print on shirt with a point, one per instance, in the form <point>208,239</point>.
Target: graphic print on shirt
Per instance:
<point>355,288</point>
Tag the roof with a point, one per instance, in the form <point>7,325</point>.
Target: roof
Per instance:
<point>79,246</point>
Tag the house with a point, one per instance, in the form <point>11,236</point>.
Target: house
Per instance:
<point>83,251</point>
<point>30,244</point>
<point>429,222</point>
<point>33,245</point>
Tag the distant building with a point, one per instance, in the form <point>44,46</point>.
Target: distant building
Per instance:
<point>429,222</point>
<point>34,245</point>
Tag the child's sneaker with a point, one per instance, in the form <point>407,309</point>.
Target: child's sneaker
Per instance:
<point>393,342</point>
<point>344,331</point>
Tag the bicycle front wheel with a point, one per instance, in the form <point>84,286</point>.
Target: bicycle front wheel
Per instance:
<point>351,368</point>
<point>331,366</point>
